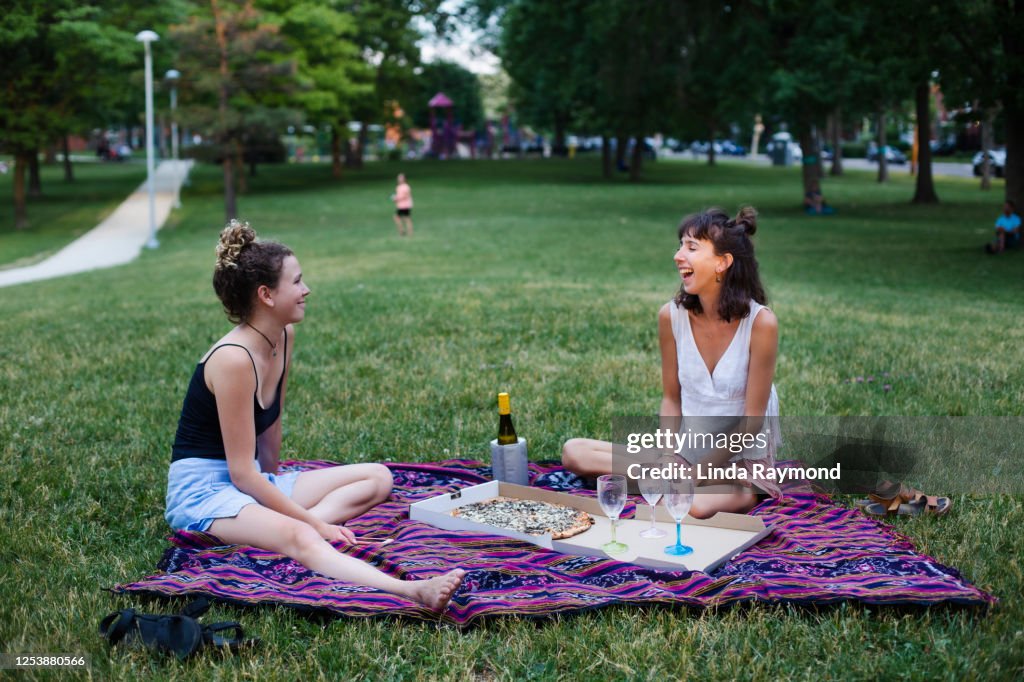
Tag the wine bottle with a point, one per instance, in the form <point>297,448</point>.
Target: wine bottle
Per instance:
<point>506,431</point>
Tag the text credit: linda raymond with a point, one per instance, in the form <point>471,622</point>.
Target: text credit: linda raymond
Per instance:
<point>745,445</point>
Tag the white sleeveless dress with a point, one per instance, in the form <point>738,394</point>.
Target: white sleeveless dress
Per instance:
<point>723,393</point>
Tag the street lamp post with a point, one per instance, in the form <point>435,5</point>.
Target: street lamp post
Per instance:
<point>147,37</point>
<point>172,77</point>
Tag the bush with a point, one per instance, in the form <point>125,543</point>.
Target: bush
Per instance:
<point>262,152</point>
<point>855,150</point>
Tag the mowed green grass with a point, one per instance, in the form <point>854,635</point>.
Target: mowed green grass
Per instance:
<point>543,280</point>
<point>65,210</point>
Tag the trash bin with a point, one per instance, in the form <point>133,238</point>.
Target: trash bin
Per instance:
<point>782,150</point>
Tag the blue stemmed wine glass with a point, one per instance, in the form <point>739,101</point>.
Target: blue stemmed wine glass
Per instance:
<point>678,500</point>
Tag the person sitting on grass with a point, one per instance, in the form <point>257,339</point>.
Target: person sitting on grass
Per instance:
<point>814,203</point>
<point>224,477</point>
<point>718,348</point>
<point>1007,229</point>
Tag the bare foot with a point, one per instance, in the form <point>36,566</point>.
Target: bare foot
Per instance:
<point>436,592</point>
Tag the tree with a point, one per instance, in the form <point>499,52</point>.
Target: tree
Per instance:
<point>245,73</point>
<point>332,74</point>
<point>462,87</point>
<point>983,66</point>
<point>388,40</point>
<point>813,43</point>
<point>539,50</point>
<point>722,86</point>
<point>47,91</point>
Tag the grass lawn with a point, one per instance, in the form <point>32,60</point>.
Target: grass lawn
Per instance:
<point>65,211</point>
<point>541,279</point>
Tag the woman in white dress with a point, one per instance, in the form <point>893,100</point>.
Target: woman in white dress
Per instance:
<point>718,348</point>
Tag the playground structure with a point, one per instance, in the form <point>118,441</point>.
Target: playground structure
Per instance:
<point>447,136</point>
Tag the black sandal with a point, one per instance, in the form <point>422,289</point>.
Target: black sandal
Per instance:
<point>180,634</point>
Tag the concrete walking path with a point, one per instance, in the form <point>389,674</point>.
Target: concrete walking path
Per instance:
<point>117,240</point>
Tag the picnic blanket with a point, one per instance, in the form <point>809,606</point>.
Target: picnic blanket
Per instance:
<point>818,553</point>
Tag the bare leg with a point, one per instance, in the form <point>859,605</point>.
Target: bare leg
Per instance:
<point>408,227</point>
<point>706,505</point>
<point>258,526</point>
<point>587,457</point>
<point>1000,240</point>
<point>341,493</point>
<point>398,223</point>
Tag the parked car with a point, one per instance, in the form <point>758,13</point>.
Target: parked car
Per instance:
<point>892,155</point>
<point>996,162</point>
<point>732,149</point>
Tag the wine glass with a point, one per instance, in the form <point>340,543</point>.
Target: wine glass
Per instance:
<point>651,489</point>
<point>611,493</point>
<point>678,500</point>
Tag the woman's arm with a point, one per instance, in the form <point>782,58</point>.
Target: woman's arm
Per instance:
<point>764,348</point>
<point>670,401</point>
<point>230,375</point>
<point>269,442</point>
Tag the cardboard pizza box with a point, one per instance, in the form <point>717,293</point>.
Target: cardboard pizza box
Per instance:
<point>714,540</point>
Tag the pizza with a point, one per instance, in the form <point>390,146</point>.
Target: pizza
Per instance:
<point>528,516</point>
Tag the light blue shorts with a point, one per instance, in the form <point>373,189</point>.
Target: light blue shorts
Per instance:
<point>199,491</point>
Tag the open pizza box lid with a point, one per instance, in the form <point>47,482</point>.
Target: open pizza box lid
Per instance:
<point>714,540</point>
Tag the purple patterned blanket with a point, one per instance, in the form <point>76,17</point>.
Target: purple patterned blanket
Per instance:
<point>818,553</point>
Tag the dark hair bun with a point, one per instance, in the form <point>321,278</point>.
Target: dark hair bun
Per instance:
<point>233,238</point>
<point>747,217</point>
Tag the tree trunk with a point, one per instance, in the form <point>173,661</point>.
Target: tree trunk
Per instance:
<point>35,185</point>
<point>819,163</point>
<point>620,152</point>
<point>924,193</point>
<point>230,200</point>
<point>350,153</point>
<point>69,174</point>
<point>606,157</point>
<point>638,158</point>
<point>880,140</point>
<point>242,183</point>
<point>336,171</point>
<point>986,145</point>
<point>361,145</point>
<point>558,147</point>
<point>21,162</point>
<point>50,154</point>
<point>836,140</point>
<point>809,166</point>
<point>1013,171</point>
<point>711,143</point>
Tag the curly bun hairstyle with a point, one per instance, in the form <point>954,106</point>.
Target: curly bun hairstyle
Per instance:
<point>243,266</point>
<point>741,282</point>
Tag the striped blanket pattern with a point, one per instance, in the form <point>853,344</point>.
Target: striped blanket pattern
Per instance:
<point>818,553</point>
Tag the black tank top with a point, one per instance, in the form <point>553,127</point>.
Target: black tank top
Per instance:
<point>199,433</point>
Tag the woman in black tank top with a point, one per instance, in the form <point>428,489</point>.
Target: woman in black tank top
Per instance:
<point>224,471</point>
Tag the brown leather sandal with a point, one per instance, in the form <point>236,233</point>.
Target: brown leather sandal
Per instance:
<point>899,499</point>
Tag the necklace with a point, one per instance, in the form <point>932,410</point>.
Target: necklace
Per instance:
<point>273,346</point>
